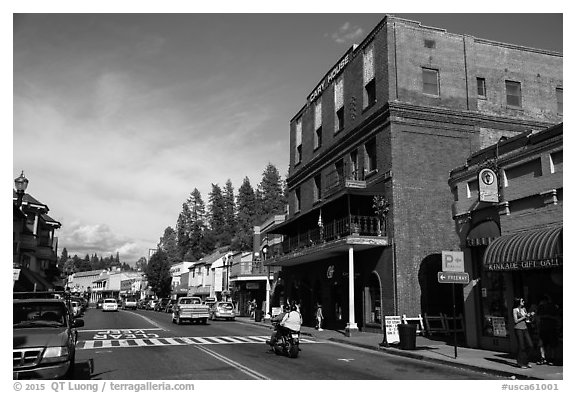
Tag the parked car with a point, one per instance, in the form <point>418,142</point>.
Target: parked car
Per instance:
<point>222,310</point>
<point>210,301</point>
<point>110,304</point>
<point>75,308</point>
<point>44,339</point>
<point>170,305</point>
<point>161,305</point>
<point>141,304</point>
<point>151,304</point>
<point>99,303</point>
<point>129,302</point>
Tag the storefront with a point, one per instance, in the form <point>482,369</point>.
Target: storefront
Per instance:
<point>528,265</point>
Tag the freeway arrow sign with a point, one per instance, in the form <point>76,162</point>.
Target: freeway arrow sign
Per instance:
<point>453,278</point>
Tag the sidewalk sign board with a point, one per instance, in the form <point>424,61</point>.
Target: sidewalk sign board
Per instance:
<point>391,323</point>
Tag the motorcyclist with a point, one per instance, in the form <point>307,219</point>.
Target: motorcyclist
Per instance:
<point>276,321</point>
<point>291,322</point>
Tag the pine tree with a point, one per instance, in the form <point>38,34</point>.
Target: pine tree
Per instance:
<point>197,227</point>
<point>246,203</point>
<point>183,230</point>
<point>229,212</point>
<point>216,221</point>
<point>271,191</point>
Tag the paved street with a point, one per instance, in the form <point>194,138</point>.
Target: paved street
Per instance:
<point>145,345</point>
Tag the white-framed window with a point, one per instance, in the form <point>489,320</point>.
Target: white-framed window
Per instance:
<point>370,157</point>
<point>339,104</point>
<point>298,141</point>
<point>318,124</point>
<point>369,80</point>
<point>556,161</point>
<point>430,81</point>
<point>513,94</point>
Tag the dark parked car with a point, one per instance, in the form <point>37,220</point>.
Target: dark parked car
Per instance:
<point>44,339</point>
<point>161,305</point>
<point>99,303</point>
<point>170,304</point>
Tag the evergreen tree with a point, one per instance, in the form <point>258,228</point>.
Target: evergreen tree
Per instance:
<point>158,273</point>
<point>197,227</point>
<point>246,203</point>
<point>216,220</point>
<point>271,192</point>
<point>169,245</point>
<point>183,230</point>
<point>63,257</point>
<point>229,212</point>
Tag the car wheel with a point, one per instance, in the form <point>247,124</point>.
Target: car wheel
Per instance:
<point>178,321</point>
<point>204,321</point>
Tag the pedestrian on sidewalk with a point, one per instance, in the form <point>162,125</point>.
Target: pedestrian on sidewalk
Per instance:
<point>319,317</point>
<point>547,321</point>
<point>521,320</point>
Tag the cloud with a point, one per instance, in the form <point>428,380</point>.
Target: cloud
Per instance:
<point>82,239</point>
<point>347,33</point>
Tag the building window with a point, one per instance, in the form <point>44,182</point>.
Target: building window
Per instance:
<point>481,83</point>
<point>430,82</point>
<point>299,141</point>
<point>339,104</point>
<point>556,161</point>
<point>472,188</point>
<point>370,148</point>
<point>429,44</point>
<point>318,124</point>
<point>559,100</point>
<point>297,200</point>
<point>317,188</point>
<point>354,173</point>
<point>369,80</point>
<point>513,94</point>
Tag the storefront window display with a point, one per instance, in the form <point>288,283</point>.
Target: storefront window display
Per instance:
<point>494,307</point>
<point>375,308</point>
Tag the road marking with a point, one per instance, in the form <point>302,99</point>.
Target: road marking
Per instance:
<point>146,319</point>
<point>116,331</point>
<point>246,370</point>
<point>346,360</point>
<point>164,341</point>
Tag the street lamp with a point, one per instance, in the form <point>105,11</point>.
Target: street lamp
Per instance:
<point>267,314</point>
<point>21,184</point>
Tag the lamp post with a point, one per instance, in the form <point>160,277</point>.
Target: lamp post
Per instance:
<point>21,184</point>
<point>267,313</point>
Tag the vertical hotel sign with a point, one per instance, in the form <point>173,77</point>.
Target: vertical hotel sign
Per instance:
<point>487,186</point>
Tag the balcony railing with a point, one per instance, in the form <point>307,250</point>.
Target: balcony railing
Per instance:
<point>343,177</point>
<point>333,230</point>
<point>250,268</point>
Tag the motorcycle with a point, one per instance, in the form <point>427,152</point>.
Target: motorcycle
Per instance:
<point>287,344</point>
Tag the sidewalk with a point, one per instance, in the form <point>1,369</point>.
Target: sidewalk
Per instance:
<point>438,351</point>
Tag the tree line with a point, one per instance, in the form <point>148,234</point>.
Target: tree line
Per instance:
<point>228,219</point>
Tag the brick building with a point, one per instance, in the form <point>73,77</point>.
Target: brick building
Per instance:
<point>512,242</point>
<point>390,120</point>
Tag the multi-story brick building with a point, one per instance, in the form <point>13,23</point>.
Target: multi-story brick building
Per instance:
<point>390,120</point>
<point>512,239</point>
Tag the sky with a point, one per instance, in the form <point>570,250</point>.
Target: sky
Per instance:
<point>118,117</point>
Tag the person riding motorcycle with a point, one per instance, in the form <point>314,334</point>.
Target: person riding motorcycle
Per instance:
<point>276,322</point>
<point>290,323</point>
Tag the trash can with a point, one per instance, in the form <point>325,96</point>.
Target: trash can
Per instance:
<point>407,333</point>
<point>258,314</point>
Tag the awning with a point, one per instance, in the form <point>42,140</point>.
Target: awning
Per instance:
<point>483,234</point>
<point>536,249</point>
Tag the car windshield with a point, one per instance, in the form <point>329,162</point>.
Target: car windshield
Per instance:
<point>225,306</point>
<point>110,301</point>
<point>39,314</point>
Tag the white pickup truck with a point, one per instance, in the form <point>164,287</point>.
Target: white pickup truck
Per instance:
<point>191,309</point>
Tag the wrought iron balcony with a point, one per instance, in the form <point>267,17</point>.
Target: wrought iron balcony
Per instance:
<point>250,268</point>
<point>333,230</point>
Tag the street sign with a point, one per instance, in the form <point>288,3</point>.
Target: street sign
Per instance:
<point>453,278</point>
<point>452,261</point>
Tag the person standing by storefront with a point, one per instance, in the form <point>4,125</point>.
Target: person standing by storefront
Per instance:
<point>547,321</point>
<point>521,319</point>
<point>319,317</point>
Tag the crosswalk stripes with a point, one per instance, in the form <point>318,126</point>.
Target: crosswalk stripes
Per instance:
<point>165,341</point>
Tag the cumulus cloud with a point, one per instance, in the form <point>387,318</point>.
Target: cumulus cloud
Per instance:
<point>347,33</point>
<point>82,239</point>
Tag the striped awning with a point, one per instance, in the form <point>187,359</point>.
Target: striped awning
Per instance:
<point>536,249</point>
